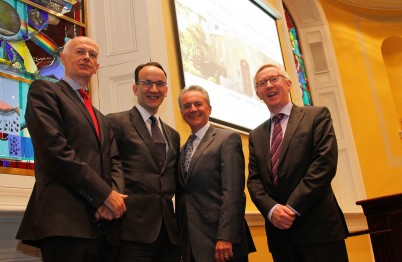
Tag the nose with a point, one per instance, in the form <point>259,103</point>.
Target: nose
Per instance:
<point>193,108</point>
<point>154,87</point>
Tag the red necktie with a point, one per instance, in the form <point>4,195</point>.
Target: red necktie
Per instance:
<point>88,105</point>
<point>276,146</point>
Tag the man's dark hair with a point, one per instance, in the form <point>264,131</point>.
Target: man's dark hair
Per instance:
<point>138,69</point>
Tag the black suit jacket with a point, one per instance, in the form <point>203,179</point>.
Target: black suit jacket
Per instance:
<point>150,189</point>
<point>211,200</point>
<point>74,171</point>
<point>308,162</point>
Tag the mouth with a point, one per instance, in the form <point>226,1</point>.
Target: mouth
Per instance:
<point>153,97</point>
<point>272,94</point>
<point>85,66</point>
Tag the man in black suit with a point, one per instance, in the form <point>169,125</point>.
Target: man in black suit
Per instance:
<point>77,168</point>
<point>149,230</point>
<point>210,196</point>
<point>293,193</point>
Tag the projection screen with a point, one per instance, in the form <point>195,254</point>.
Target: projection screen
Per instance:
<point>222,44</point>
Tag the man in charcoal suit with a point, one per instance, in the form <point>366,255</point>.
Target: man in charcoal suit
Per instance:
<point>149,149</point>
<point>210,196</point>
<point>293,159</point>
<point>78,173</point>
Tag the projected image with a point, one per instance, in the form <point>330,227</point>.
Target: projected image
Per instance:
<point>222,44</point>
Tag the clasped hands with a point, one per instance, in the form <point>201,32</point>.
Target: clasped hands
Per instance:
<point>283,217</point>
<point>112,208</point>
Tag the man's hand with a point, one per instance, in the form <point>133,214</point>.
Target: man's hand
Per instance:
<point>223,251</point>
<point>103,212</point>
<point>115,203</point>
<point>283,217</point>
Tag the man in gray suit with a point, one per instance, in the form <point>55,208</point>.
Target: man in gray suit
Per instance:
<point>77,167</point>
<point>292,163</point>
<point>149,150</point>
<point>210,196</point>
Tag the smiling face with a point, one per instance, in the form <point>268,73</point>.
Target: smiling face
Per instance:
<point>80,59</point>
<point>275,95</point>
<point>150,98</point>
<point>195,110</point>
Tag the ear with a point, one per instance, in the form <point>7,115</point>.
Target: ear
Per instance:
<point>135,89</point>
<point>258,94</point>
<point>63,59</point>
<point>96,68</point>
<point>289,84</point>
<point>166,91</point>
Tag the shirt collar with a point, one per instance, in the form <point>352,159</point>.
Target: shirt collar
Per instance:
<point>145,114</point>
<point>72,83</point>
<point>201,133</point>
<point>285,110</point>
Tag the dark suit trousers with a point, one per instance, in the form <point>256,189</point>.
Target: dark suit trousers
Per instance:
<point>334,251</point>
<point>60,249</point>
<point>159,251</point>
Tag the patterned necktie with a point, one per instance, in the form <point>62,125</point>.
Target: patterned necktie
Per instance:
<point>276,146</point>
<point>188,151</point>
<point>88,105</point>
<point>158,140</point>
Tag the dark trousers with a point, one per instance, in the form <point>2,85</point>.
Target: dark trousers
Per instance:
<point>162,250</point>
<point>60,249</point>
<point>334,251</point>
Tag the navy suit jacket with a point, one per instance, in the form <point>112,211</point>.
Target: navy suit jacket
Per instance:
<point>150,188</point>
<point>308,162</point>
<point>74,170</point>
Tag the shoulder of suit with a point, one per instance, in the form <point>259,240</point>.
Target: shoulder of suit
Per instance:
<point>40,85</point>
<point>262,126</point>
<point>117,114</point>
<point>171,129</point>
<point>310,108</point>
<point>224,132</point>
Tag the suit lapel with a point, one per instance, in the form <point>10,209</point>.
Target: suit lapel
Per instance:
<point>295,118</point>
<point>167,134</point>
<point>266,141</point>
<point>69,91</point>
<point>140,126</point>
<point>205,142</point>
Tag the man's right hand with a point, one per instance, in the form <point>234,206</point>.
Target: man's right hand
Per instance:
<point>283,217</point>
<point>115,203</point>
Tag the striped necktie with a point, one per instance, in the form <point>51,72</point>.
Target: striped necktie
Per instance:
<point>276,146</point>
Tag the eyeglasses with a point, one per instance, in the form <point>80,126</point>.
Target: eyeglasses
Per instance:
<point>272,80</point>
<point>149,84</point>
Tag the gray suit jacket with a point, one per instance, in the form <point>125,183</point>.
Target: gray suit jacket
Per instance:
<point>150,189</point>
<point>308,162</point>
<point>211,200</point>
<point>74,171</point>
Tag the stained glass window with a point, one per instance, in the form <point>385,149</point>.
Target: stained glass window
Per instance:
<point>298,57</point>
<point>32,34</point>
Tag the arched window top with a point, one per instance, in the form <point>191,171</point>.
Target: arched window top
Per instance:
<point>298,58</point>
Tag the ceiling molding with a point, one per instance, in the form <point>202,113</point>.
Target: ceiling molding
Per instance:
<point>375,4</point>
